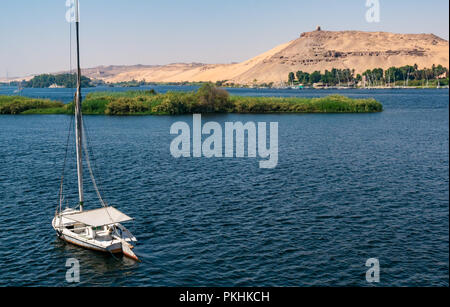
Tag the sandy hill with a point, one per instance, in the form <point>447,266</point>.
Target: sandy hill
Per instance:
<point>317,50</point>
<point>321,50</point>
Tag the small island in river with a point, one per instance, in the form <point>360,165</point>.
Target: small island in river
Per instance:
<point>207,99</point>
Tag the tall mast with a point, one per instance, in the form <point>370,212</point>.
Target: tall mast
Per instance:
<point>78,116</point>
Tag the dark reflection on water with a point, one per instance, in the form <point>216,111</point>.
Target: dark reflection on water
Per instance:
<point>347,188</point>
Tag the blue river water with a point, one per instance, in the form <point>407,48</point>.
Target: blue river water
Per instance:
<point>348,187</point>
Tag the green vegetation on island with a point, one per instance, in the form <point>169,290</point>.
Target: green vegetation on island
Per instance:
<point>132,83</point>
<point>23,105</point>
<point>208,99</point>
<point>61,80</point>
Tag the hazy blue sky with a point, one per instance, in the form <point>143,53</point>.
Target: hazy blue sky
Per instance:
<point>34,36</point>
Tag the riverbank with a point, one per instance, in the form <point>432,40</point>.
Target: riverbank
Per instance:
<point>208,99</point>
<point>135,85</point>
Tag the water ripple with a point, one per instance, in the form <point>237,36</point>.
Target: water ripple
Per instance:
<point>347,188</point>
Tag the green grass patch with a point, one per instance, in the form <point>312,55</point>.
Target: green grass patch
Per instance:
<point>24,105</point>
<point>208,99</point>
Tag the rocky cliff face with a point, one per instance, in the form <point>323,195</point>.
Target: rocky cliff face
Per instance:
<point>321,50</point>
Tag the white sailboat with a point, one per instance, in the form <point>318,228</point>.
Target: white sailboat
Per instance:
<point>99,229</point>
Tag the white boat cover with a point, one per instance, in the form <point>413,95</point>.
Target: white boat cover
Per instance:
<point>99,217</point>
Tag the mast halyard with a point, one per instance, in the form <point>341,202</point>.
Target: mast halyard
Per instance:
<point>78,115</point>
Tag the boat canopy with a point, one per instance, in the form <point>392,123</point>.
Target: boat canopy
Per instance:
<point>99,217</point>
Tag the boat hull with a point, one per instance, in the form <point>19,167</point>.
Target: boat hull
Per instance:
<point>115,249</point>
<point>67,236</point>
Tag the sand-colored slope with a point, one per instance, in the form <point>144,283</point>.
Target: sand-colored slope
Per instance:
<point>193,72</point>
<point>321,50</point>
<point>317,50</point>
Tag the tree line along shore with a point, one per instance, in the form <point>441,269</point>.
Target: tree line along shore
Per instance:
<point>207,99</point>
<point>405,76</point>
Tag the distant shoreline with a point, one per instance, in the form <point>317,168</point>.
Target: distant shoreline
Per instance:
<point>199,84</point>
<point>358,52</point>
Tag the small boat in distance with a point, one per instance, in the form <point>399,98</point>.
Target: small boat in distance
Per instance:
<point>100,229</point>
<point>19,88</point>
